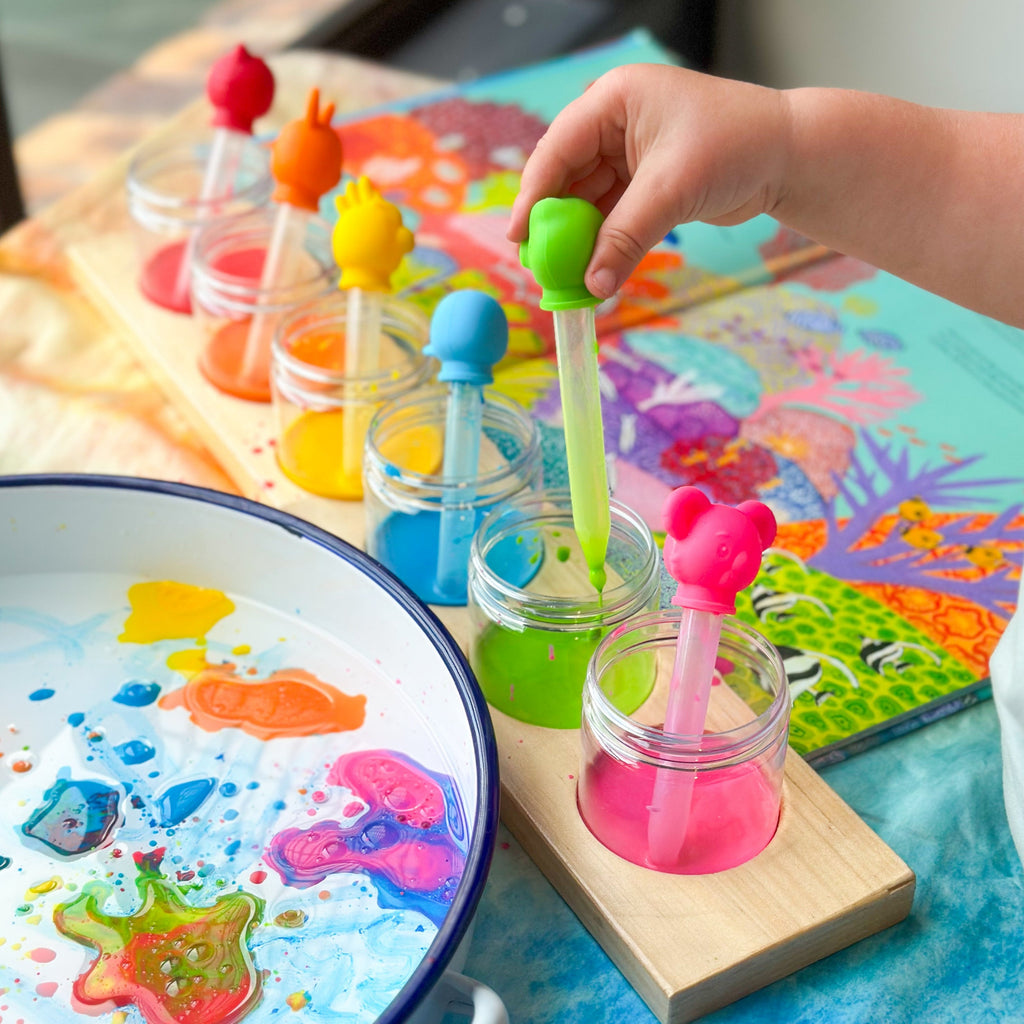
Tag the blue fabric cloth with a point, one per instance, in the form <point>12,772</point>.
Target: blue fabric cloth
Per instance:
<point>934,796</point>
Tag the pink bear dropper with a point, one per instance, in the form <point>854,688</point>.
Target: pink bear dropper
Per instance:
<point>712,551</point>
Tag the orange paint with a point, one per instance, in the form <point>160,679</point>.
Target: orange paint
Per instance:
<point>165,610</point>
<point>290,702</point>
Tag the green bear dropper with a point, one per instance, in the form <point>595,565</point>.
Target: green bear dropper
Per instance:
<point>561,239</point>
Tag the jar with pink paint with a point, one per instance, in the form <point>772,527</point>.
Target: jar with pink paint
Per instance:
<point>725,786</point>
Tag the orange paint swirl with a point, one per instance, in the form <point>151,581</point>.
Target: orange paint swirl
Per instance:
<point>290,702</point>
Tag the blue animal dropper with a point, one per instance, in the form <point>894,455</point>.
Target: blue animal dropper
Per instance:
<point>468,334</point>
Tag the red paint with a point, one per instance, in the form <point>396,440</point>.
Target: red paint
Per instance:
<point>733,814</point>
<point>159,279</point>
<point>258,877</point>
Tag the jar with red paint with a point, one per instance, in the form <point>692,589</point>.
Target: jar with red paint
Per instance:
<point>237,310</point>
<point>166,185</point>
<point>721,793</point>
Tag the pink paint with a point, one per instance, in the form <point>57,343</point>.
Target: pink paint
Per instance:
<point>42,955</point>
<point>46,989</point>
<point>734,813</point>
<point>160,275</point>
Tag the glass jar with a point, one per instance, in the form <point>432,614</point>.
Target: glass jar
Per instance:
<point>236,311</point>
<point>677,803</point>
<point>419,522</point>
<point>535,617</point>
<point>167,206</point>
<point>323,404</point>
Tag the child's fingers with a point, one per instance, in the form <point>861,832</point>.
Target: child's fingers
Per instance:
<point>634,225</point>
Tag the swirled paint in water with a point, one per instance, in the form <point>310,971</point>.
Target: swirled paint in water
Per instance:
<point>178,964</point>
<point>166,610</point>
<point>289,702</point>
<point>77,816</point>
<point>409,840</point>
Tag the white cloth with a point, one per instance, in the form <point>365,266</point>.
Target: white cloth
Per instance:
<point>1007,669</point>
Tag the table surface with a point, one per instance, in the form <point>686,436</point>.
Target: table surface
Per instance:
<point>72,398</point>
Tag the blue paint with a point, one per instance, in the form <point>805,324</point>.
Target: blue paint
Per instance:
<point>230,814</point>
<point>232,848</point>
<point>136,694</point>
<point>408,546</point>
<point>5,862</point>
<point>134,751</point>
<point>76,719</point>
<point>45,693</point>
<point>278,805</point>
<point>253,785</point>
<point>76,816</point>
<point>178,802</point>
<point>228,789</point>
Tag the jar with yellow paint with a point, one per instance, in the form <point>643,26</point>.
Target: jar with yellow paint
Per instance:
<point>419,522</point>
<point>322,405</point>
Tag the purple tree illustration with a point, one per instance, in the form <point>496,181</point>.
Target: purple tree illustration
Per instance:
<point>911,555</point>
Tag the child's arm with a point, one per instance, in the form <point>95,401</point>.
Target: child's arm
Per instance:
<point>934,196</point>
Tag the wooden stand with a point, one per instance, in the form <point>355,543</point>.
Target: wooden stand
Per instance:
<point>688,944</point>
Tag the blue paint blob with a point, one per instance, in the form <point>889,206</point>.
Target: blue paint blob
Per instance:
<point>183,799</point>
<point>134,751</point>
<point>5,862</point>
<point>253,785</point>
<point>76,817</point>
<point>232,848</point>
<point>408,545</point>
<point>230,814</point>
<point>278,805</point>
<point>136,694</point>
<point>42,694</point>
<point>76,719</point>
<point>228,789</point>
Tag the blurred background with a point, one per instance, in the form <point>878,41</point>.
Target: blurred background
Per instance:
<point>56,55</point>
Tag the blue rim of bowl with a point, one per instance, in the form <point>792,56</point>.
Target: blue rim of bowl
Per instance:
<point>481,848</point>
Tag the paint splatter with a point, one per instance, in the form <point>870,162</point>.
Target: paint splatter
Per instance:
<point>290,702</point>
<point>408,841</point>
<point>136,694</point>
<point>297,1000</point>
<point>5,862</point>
<point>563,553</point>
<point>135,752</point>
<point>165,610</point>
<point>177,963</point>
<point>45,693</point>
<point>183,799</point>
<point>77,816</point>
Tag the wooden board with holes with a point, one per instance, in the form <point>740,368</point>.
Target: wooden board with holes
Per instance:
<point>687,944</point>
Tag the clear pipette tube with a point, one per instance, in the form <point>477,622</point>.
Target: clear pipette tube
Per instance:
<point>219,173</point>
<point>685,714</point>
<point>576,348</point>
<point>362,358</point>
<point>283,252</point>
<point>461,464</point>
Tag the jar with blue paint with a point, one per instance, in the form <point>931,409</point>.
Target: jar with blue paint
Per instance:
<point>408,497</point>
<point>535,616</point>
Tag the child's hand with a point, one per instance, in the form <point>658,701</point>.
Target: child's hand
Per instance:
<point>653,146</point>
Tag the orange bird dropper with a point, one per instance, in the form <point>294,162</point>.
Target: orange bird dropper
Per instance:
<point>305,162</point>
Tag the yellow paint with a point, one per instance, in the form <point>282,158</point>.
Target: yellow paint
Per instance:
<point>309,453</point>
<point>118,1017</point>
<point>189,663</point>
<point>861,305</point>
<point>165,610</point>
<point>33,920</point>
<point>241,649</point>
<point>417,449</point>
<point>297,1000</point>
<point>39,888</point>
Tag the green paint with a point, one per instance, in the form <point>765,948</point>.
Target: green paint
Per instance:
<point>562,554</point>
<point>537,675</point>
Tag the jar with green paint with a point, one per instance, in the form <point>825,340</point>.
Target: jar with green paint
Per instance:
<point>535,617</point>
